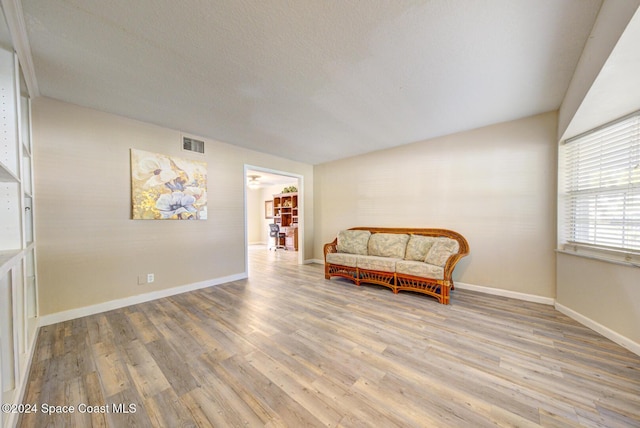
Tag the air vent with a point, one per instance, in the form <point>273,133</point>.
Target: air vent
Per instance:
<point>191,145</point>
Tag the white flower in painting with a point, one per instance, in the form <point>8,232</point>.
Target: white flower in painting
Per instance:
<point>154,171</point>
<point>191,168</point>
<point>176,203</point>
<point>198,193</point>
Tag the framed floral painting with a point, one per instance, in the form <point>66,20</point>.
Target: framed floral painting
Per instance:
<point>167,188</point>
<point>268,209</point>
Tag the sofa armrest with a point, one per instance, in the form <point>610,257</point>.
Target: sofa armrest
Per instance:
<point>450,265</point>
<point>331,247</point>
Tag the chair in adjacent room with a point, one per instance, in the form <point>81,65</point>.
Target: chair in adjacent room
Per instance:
<point>279,237</point>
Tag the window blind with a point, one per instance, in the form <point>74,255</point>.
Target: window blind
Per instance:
<point>602,186</point>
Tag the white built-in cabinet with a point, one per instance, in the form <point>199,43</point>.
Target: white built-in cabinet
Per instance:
<point>18,287</point>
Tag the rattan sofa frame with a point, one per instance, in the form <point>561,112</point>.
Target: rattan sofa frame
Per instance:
<point>438,288</point>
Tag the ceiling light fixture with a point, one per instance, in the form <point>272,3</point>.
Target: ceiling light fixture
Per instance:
<point>253,181</point>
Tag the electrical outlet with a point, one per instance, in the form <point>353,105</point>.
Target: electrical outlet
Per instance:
<point>142,279</point>
<point>150,277</point>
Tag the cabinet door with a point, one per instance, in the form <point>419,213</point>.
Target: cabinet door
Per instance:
<point>292,239</point>
<point>9,153</point>
<point>7,343</point>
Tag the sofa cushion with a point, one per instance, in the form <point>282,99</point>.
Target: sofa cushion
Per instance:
<point>422,269</point>
<point>388,245</point>
<point>441,250</point>
<point>353,241</point>
<point>343,259</point>
<point>418,247</point>
<point>383,264</point>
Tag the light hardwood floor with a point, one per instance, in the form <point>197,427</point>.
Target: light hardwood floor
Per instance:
<point>287,348</point>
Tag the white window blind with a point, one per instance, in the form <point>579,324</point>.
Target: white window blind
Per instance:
<point>602,186</point>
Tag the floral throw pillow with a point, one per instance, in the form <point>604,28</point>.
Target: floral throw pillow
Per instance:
<point>388,245</point>
<point>353,241</point>
<point>418,247</point>
<point>441,250</point>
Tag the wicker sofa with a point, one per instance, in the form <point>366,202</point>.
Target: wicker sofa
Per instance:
<point>419,260</point>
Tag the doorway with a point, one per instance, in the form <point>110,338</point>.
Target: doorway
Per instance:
<point>260,186</point>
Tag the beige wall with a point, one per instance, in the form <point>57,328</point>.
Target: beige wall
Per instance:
<point>495,185</point>
<point>89,249</point>
<point>603,292</point>
<point>254,221</point>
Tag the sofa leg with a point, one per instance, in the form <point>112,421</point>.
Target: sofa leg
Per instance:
<point>444,293</point>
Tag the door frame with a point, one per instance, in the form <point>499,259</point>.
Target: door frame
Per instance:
<point>301,212</point>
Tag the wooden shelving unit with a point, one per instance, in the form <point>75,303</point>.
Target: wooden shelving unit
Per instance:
<point>285,215</point>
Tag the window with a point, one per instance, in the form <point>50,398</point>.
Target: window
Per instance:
<point>600,189</point>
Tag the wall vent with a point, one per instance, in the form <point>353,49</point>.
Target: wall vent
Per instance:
<point>191,145</point>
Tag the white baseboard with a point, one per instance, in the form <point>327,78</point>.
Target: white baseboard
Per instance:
<point>133,300</point>
<point>506,293</point>
<point>599,328</point>
<point>593,325</point>
<point>318,261</point>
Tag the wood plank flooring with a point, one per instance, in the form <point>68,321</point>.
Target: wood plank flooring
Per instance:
<point>287,348</point>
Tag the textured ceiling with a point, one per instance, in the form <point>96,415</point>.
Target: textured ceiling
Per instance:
<point>310,80</point>
<point>5,38</point>
<point>271,179</point>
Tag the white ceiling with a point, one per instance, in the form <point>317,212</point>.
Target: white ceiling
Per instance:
<point>271,179</point>
<point>310,80</point>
